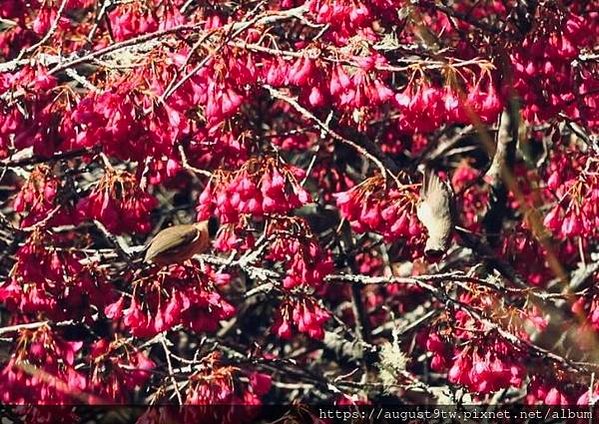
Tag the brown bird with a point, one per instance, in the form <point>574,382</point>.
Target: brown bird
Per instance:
<point>436,212</point>
<point>178,243</point>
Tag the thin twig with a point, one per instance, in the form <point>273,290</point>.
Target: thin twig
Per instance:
<point>384,169</point>
<point>34,325</point>
<point>48,34</point>
<point>122,249</point>
<point>188,167</point>
<point>167,353</point>
<point>34,160</point>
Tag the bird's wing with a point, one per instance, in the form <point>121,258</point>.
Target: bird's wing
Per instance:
<point>436,192</point>
<point>170,239</point>
<point>432,183</point>
<point>435,203</point>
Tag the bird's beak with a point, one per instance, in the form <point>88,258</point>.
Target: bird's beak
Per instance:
<point>213,226</point>
<point>434,255</point>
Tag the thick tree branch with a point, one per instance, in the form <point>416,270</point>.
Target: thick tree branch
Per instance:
<point>501,166</point>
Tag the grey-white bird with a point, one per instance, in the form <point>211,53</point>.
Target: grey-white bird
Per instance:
<point>436,212</point>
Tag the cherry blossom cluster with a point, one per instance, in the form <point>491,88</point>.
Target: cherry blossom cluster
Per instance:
<point>54,358</point>
<point>39,199</point>
<point>487,367</point>
<point>178,294</point>
<point>554,391</point>
<point>482,363</point>
<point>30,129</point>
<point>304,315</point>
<point>473,198</point>
<point>294,245</point>
<point>131,19</point>
<point>527,255</point>
<point>48,277</point>
<point>124,122</point>
<point>588,307</point>
<point>118,202</point>
<point>262,186</point>
<point>117,369</point>
<point>545,74</point>
<point>349,18</point>
<point>330,180</point>
<point>215,383</point>
<point>374,206</point>
<point>576,186</point>
<point>425,107</point>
